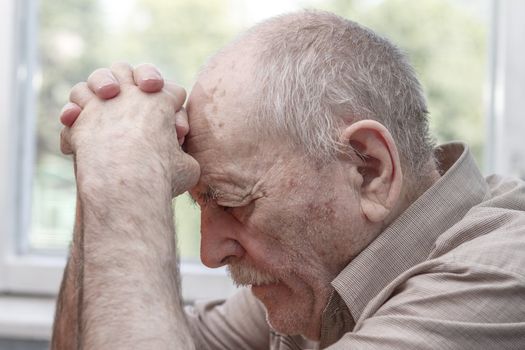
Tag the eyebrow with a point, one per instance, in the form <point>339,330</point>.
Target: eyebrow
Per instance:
<point>208,195</point>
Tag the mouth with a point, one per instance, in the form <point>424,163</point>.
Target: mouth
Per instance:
<point>260,283</point>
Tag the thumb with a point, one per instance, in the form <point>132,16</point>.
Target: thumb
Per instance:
<point>186,173</point>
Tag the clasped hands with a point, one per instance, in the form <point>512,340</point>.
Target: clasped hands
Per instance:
<point>127,124</point>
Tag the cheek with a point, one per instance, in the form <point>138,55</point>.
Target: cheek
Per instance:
<point>322,211</point>
<point>214,219</point>
<point>278,220</point>
<point>315,240</point>
<point>281,229</point>
<point>291,237</point>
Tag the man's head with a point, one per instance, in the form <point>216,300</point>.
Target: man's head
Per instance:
<point>303,128</point>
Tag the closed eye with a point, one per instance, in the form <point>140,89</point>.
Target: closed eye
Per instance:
<point>226,208</point>
<point>241,213</point>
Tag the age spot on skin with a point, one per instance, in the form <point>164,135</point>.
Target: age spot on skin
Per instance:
<point>318,166</point>
<point>206,98</point>
<point>318,211</point>
<point>213,93</point>
<point>292,183</point>
<point>329,209</point>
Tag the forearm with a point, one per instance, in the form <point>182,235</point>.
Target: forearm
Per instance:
<point>129,164</point>
<point>66,329</point>
<point>131,290</point>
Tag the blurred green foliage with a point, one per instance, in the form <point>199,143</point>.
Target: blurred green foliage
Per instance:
<point>447,44</point>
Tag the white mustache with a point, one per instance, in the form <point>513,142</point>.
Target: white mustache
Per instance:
<point>243,275</point>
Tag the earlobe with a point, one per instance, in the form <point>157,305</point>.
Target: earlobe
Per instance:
<point>379,167</point>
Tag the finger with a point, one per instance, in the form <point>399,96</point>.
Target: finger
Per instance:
<point>103,83</point>
<point>148,78</point>
<point>188,172</point>
<point>69,114</point>
<point>181,125</point>
<point>123,72</point>
<point>65,141</point>
<point>81,94</point>
<point>177,91</point>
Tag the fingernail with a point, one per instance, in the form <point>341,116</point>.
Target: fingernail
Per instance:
<point>108,90</point>
<point>152,76</point>
<point>155,75</point>
<point>106,83</point>
<point>68,106</point>
<point>181,140</point>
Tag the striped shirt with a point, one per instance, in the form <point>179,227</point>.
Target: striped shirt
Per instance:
<point>448,273</point>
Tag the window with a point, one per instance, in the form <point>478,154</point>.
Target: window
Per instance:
<point>48,45</point>
<point>54,44</point>
<point>71,38</point>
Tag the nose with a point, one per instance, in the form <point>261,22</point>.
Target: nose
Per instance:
<point>218,237</point>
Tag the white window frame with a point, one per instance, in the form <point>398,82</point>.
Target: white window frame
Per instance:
<point>505,125</point>
<point>29,282</point>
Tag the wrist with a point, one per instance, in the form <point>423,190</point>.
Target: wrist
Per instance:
<point>121,210</point>
<point>130,170</point>
<point>125,183</point>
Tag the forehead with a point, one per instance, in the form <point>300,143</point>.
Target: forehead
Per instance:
<point>217,116</point>
<point>219,137</point>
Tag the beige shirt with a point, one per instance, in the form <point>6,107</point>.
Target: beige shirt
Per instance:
<point>449,273</point>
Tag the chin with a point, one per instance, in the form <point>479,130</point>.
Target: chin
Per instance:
<point>288,312</point>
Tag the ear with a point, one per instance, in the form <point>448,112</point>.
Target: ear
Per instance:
<point>379,168</point>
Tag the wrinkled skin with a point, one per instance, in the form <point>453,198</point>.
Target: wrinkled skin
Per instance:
<point>142,132</point>
<point>121,285</point>
<point>285,224</point>
<point>273,209</point>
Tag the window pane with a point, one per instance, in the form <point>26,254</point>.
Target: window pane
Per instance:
<point>77,36</point>
<point>447,44</point>
<point>446,41</point>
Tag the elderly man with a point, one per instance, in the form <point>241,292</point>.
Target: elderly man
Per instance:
<point>308,152</point>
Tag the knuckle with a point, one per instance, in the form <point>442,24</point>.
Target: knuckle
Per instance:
<point>146,66</point>
<point>123,72</point>
<point>188,173</point>
<point>65,142</point>
<point>193,171</point>
<point>181,124</point>
<point>177,93</point>
<point>77,90</point>
<point>181,94</point>
<point>179,90</point>
<point>98,73</point>
<point>65,134</point>
<point>121,66</point>
<point>79,85</point>
<point>164,97</point>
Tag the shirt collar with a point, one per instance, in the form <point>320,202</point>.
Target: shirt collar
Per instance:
<point>411,237</point>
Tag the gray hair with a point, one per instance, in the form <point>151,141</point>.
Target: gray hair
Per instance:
<point>316,72</point>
